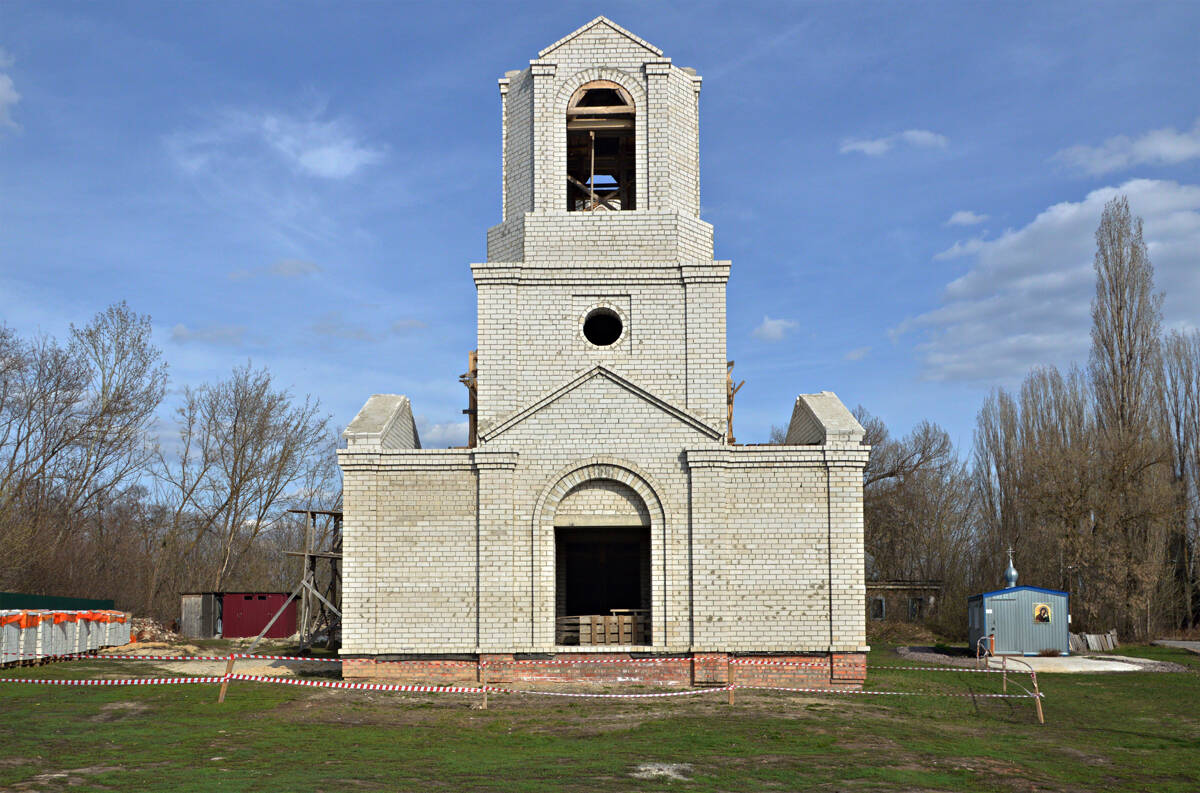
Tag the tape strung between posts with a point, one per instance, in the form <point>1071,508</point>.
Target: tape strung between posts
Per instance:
<point>127,681</point>
<point>286,681</point>
<point>397,687</point>
<point>545,662</point>
<point>459,689</point>
<point>888,693</point>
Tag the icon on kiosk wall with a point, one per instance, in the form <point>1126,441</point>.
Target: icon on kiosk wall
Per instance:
<point>1041,612</point>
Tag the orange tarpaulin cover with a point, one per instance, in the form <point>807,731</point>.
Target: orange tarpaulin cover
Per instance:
<point>30,619</point>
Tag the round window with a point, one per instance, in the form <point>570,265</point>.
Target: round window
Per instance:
<point>602,327</point>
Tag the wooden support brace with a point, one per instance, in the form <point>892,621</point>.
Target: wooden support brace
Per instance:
<point>483,682</point>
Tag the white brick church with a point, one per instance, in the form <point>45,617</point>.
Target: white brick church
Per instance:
<point>602,506</point>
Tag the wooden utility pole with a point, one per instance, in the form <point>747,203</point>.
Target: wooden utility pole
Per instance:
<point>471,381</point>
<point>730,391</point>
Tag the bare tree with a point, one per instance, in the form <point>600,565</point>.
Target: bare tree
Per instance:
<point>242,445</point>
<point>1181,413</point>
<point>74,431</point>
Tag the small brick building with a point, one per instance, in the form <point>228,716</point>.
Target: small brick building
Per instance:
<point>602,507</point>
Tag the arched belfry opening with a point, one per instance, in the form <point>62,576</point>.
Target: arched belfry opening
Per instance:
<point>602,566</point>
<point>600,148</point>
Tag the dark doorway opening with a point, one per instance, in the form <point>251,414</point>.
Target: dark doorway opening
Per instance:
<point>600,149</point>
<point>603,585</point>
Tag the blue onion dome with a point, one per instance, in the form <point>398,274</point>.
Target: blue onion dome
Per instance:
<point>1010,575</point>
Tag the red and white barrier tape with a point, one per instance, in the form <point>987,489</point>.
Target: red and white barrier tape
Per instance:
<point>772,662</point>
<point>306,658</point>
<point>150,657</point>
<point>460,689</point>
<point>422,689</point>
<point>288,681</point>
<point>555,661</point>
<point>886,693</point>
<point>949,669</point>
<point>688,693</point>
<point>128,681</point>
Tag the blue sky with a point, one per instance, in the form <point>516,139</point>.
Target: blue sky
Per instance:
<point>908,191</point>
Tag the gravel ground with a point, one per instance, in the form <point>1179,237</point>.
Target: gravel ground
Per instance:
<point>928,655</point>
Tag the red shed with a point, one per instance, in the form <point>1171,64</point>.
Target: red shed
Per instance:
<point>247,613</point>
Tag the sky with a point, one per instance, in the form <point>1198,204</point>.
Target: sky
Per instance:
<point>908,191</point>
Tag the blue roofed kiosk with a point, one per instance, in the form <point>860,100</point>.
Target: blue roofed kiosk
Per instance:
<point>1024,620</point>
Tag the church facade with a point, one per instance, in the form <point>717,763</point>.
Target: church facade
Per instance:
<point>602,507</point>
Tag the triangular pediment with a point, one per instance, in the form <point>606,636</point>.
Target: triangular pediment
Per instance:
<point>586,376</point>
<point>598,21</point>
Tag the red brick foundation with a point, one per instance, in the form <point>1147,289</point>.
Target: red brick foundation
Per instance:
<point>839,670</point>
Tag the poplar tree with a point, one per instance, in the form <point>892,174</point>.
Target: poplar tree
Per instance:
<point>1134,499</point>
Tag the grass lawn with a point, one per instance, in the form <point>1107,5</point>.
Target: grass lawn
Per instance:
<point>1116,732</point>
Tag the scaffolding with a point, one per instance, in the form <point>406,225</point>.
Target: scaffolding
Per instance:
<point>320,587</point>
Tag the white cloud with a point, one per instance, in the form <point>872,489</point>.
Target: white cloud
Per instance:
<point>221,335</point>
<point>874,147</point>
<point>1027,298</point>
<point>284,268</point>
<point>857,354</point>
<point>436,436</point>
<point>870,147</point>
<point>293,268</point>
<point>328,149</point>
<point>334,325</point>
<point>773,329</point>
<point>1165,146</point>
<point>309,145</point>
<point>965,217</point>
<point>961,248</point>
<point>404,325</point>
<point>8,93</point>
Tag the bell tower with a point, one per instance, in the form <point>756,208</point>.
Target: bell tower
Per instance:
<point>601,258</point>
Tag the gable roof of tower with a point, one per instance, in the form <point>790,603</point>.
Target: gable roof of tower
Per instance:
<point>601,20</point>
<point>510,421</point>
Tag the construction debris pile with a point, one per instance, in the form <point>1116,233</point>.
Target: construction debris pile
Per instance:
<point>145,629</point>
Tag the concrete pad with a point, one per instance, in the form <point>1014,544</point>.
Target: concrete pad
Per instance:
<point>1071,663</point>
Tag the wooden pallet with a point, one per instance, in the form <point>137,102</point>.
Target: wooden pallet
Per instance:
<point>620,627</point>
<point>1093,642</point>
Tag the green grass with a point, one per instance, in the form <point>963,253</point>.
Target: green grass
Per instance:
<point>1117,732</point>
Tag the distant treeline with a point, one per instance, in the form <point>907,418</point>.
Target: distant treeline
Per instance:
<point>95,503</point>
<point>1090,475</point>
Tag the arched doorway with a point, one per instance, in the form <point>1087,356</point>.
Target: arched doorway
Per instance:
<point>602,555</point>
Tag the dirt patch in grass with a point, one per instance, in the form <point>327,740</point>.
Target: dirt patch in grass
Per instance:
<point>677,771</point>
<point>70,778</point>
<point>115,711</point>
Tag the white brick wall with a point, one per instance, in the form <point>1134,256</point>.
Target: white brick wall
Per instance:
<point>752,548</point>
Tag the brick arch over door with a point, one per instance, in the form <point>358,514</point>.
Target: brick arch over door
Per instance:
<point>568,88</point>
<point>545,509</point>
